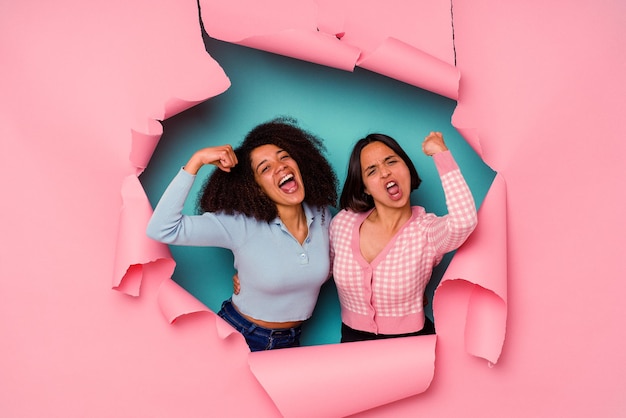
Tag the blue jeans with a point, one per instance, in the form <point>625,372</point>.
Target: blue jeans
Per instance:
<point>258,337</point>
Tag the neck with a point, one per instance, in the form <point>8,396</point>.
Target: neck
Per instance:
<point>390,219</point>
<point>294,219</point>
<point>291,213</point>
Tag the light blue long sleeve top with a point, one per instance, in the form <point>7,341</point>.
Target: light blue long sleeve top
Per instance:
<point>280,278</point>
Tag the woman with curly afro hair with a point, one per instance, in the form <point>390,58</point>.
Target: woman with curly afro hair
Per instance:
<point>269,203</point>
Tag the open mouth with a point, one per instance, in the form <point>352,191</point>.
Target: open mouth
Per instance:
<point>392,188</point>
<point>287,183</point>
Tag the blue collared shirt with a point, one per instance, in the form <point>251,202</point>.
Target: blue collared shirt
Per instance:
<point>280,278</point>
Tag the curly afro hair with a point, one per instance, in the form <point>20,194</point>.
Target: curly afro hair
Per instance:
<point>237,191</point>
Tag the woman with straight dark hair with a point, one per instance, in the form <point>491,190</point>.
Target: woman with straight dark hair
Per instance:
<point>268,202</point>
<point>383,249</point>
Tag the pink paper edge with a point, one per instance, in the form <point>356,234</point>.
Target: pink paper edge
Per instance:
<point>479,252</point>
<point>403,62</point>
<point>408,373</point>
<point>143,154</point>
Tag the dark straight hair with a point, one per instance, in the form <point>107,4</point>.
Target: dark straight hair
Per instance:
<point>353,196</point>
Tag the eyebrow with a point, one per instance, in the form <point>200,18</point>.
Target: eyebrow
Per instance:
<point>384,160</point>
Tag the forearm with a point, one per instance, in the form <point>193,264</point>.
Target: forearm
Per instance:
<point>167,219</point>
<point>462,217</point>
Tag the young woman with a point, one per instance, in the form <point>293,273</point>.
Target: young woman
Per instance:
<point>383,249</point>
<point>268,203</point>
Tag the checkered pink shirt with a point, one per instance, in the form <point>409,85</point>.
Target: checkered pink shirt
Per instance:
<point>386,295</point>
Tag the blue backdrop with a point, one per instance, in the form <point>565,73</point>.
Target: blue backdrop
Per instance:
<point>336,105</point>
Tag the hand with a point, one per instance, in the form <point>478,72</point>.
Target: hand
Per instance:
<point>433,144</point>
<point>222,156</point>
<point>236,284</point>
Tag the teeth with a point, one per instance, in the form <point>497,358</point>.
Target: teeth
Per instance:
<point>391,184</point>
<point>285,179</point>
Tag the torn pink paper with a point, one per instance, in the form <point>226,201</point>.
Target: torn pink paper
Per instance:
<point>331,17</point>
<point>482,262</point>
<point>299,38</point>
<point>291,32</point>
<point>146,129</point>
<point>399,60</point>
<point>316,47</point>
<point>367,24</point>
<point>234,20</point>
<point>144,143</point>
<point>470,135</point>
<point>342,379</point>
<point>134,248</point>
<point>175,302</point>
<point>389,47</point>
<point>84,352</point>
<point>304,381</point>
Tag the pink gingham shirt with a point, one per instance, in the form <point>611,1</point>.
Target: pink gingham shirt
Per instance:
<point>386,295</point>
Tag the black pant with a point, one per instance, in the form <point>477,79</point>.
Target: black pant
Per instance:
<point>349,335</point>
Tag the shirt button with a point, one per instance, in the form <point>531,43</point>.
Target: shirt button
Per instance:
<point>304,259</point>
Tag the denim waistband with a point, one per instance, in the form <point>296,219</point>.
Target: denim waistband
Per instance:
<point>241,321</point>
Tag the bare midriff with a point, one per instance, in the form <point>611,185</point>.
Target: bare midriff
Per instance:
<point>271,325</point>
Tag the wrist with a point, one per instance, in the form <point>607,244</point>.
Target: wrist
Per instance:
<point>444,149</point>
<point>193,165</point>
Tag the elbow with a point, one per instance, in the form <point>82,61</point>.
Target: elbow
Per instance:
<point>467,226</point>
<point>472,223</point>
<point>153,232</point>
<point>156,233</point>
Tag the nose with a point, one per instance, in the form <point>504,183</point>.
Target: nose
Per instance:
<point>281,166</point>
<point>384,171</point>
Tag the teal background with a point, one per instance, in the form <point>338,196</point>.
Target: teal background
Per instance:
<point>336,105</point>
